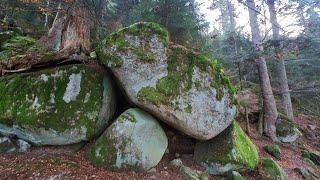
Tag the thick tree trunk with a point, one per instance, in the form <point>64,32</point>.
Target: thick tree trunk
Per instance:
<point>270,108</point>
<point>282,82</point>
<point>70,32</point>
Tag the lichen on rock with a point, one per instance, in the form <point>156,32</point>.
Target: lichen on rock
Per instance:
<point>52,106</point>
<point>135,141</point>
<point>230,150</point>
<point>183,88</point>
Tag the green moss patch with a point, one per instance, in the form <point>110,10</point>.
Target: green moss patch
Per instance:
<point>23,51</point>
<point>15,47</point>
<point>230,150</point>
<point>181,64</point>
<point>117,40</point>
<point>102,153</point>
<point>273,150</point>
<point>273,170</point>
<point>36,100</point>
<point>312,156</point>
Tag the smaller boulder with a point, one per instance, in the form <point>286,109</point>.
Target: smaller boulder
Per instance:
<point>135,141</point>
<point>273,170</point>
<point>287,131</point>
<point>230,150</point>
<point>22,145</point>
<point>273,150</point>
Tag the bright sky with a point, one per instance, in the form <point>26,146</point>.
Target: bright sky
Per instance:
<point>242,19</point>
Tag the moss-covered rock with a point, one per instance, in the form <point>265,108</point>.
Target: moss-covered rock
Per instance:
<point>135,141</point>
<point>56,106</point>
<point>273,150</point>
<point>273,170</point>
<point>185,89</point>
<point>287,131</point>
<point>230,150</point>
<point>313,156</point>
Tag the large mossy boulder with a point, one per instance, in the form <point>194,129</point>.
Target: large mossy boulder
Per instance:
<point>135,141</point>
<point>56,106</point>
<point>178,86</point>
<point>230,150</point>
<point>273,170</point>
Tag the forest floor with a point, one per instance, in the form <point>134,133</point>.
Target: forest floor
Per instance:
<point>61,163</point>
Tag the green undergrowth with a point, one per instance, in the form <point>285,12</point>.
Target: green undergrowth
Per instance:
<point>118,41</point>
<point>181,64</point>
<point>17,47</point>
<point>28,101</point>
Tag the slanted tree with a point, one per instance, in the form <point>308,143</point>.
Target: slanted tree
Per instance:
<point>270,109</point>
<point>281,78</point>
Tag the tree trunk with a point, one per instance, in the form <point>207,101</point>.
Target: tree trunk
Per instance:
<point>70,32</point>
<point>282,82</point>
<point>47,14</point>
<point>269,102</point>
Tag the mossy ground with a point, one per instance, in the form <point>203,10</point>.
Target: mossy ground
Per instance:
<point>26,100</point>
<point>23,49</point>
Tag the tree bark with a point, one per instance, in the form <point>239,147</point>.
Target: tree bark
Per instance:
<point>282,81</point>
<point>269,102</point>
<point>70,32</point>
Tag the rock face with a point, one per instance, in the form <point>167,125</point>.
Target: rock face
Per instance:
<point>182,88</point>
<point>135,141</point>
<point>56,106</point>
<point>230,150</point>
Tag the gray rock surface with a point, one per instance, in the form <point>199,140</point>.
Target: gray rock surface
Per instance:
<point>182,88</point>
<point>57,106</point>
<point>135,141</point>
